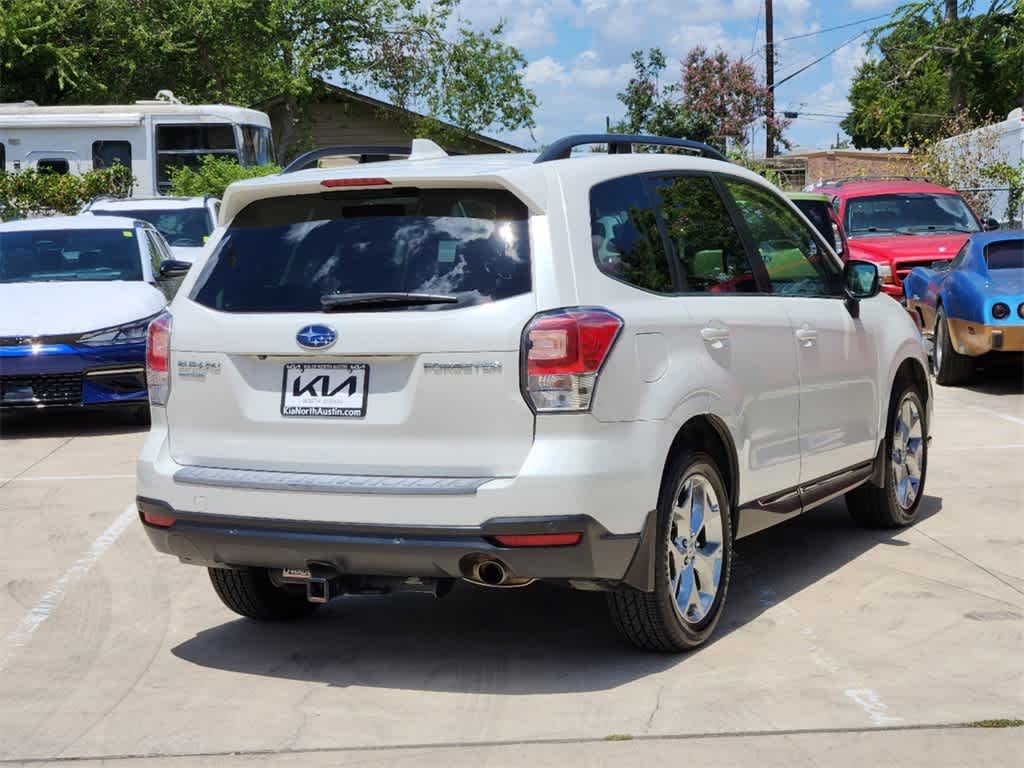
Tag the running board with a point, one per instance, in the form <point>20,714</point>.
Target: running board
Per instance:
<point>770,510</point>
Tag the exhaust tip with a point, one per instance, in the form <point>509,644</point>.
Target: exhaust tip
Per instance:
<point>491,572</point>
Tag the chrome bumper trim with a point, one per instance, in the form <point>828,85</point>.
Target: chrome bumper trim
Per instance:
<point>250,479</point>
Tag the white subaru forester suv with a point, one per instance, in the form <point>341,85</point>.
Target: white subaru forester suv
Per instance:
<point>595,370</point>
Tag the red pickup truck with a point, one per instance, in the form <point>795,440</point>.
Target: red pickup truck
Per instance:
<point>901,223</point>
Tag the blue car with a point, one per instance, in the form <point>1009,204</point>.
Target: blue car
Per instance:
<point>972,305</point>
<point>76,297</point>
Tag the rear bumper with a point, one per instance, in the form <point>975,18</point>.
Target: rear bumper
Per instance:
<point>975,339</point>
<point>600,560</point>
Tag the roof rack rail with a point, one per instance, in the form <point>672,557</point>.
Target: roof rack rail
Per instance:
<point>621,144</point>
<point>367,153</point>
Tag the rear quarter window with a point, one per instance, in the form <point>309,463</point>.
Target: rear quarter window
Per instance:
<point>283,254</point>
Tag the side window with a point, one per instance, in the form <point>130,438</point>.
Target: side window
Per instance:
<point>795,263</point>
<point>56,165</point>
<point>959,258</point>
<point>710,253</point>
<point>105,154</point>
<point>625,237</point>
<point>156,255</point>
<point>180,145</point>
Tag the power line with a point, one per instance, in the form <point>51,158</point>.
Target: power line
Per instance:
<point>757,26</point>
<point>833,29</point>
<point>817,60</point>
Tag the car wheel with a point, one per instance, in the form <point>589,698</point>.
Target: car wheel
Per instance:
<point>895,504</point>
<point>693,559</point>
<point>948,365</point>
<point>249,592</point>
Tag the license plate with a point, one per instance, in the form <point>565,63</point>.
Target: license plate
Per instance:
<point>335,390</point>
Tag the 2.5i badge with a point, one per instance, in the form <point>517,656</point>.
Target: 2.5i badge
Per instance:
<point>325,389</point>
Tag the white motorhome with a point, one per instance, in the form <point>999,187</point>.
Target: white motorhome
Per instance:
<point>149,137</point>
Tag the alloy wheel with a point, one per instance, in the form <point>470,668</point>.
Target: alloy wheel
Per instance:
<point>695,548</point>
<point>907,457</point>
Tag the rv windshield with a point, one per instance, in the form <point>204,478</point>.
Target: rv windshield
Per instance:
<point>69,254</point>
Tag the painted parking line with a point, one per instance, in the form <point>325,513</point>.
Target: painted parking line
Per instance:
<point>48,603</point>
<point>999,414</point>
<point>1005,447</point>
<point>61,478</point>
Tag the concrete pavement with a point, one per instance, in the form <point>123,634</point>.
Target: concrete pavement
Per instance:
<point>832,635</point>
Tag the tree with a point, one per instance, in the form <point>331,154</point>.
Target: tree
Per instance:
<point>726,94</point>
<point>935,60</point>
<point>213,175</point>
<point>247,51</point>
<point>715,101</point>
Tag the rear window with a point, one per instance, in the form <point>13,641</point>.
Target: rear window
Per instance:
<point>284,254</point>
<point>1007,254</point>
<point>186,227</point>
<point>69,254</point>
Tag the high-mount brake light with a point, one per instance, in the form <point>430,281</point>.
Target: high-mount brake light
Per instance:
<point>158,359</point>
<point>563,351</point>
<point>375,182</point>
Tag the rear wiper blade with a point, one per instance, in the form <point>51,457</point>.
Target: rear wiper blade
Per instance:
<point>342,302</point>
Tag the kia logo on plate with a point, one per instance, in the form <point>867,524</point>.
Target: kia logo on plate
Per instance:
<point>316,337</point>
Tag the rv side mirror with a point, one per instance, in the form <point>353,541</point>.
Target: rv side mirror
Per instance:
<point>170,269</point>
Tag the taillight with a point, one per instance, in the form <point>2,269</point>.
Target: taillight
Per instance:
<point>563,351</point>
<point>158,359</point>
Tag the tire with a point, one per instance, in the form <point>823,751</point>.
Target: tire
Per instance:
<point>249,592</point>
<point>653,621</point>
<point>949,366</point>
<point>890,506</point>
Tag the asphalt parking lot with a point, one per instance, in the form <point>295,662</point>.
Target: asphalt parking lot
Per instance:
<point>839,646</point>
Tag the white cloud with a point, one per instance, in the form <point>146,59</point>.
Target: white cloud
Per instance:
<point>545,70</point>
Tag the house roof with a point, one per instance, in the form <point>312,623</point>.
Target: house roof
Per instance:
<point>346,93</point>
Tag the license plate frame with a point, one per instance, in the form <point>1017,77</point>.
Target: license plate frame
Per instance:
<point>312,399</point>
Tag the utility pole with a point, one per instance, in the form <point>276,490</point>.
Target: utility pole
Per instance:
<point>769,78</point>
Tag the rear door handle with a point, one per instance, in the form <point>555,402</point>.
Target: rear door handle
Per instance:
<point>806,336</point>
<point>716,337</point>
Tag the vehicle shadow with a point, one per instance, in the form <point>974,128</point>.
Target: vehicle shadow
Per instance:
<point>539,639</point>
<point>1002,375</point>
<point>29,423</point>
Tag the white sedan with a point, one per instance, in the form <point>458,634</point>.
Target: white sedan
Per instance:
<point>76,296</point>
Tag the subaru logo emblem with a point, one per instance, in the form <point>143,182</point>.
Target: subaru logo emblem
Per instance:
<point>316,337</point>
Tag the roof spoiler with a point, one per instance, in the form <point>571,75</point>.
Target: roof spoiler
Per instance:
<point>620,144</point>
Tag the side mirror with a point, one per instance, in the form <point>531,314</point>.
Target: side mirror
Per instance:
<point>860,281</point>
<point>170,269</point>
<point>990,225</point>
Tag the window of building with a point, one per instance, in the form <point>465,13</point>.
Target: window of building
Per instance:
<point>3,158</point>
<point>625,237</point>
<point>106,154</point>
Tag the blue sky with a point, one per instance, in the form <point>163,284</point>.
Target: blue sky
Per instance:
<point>579,53</point>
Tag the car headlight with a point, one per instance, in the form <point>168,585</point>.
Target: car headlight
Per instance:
<point>1000,311</point>
<point>129,333</point>
<point>885,273</point>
